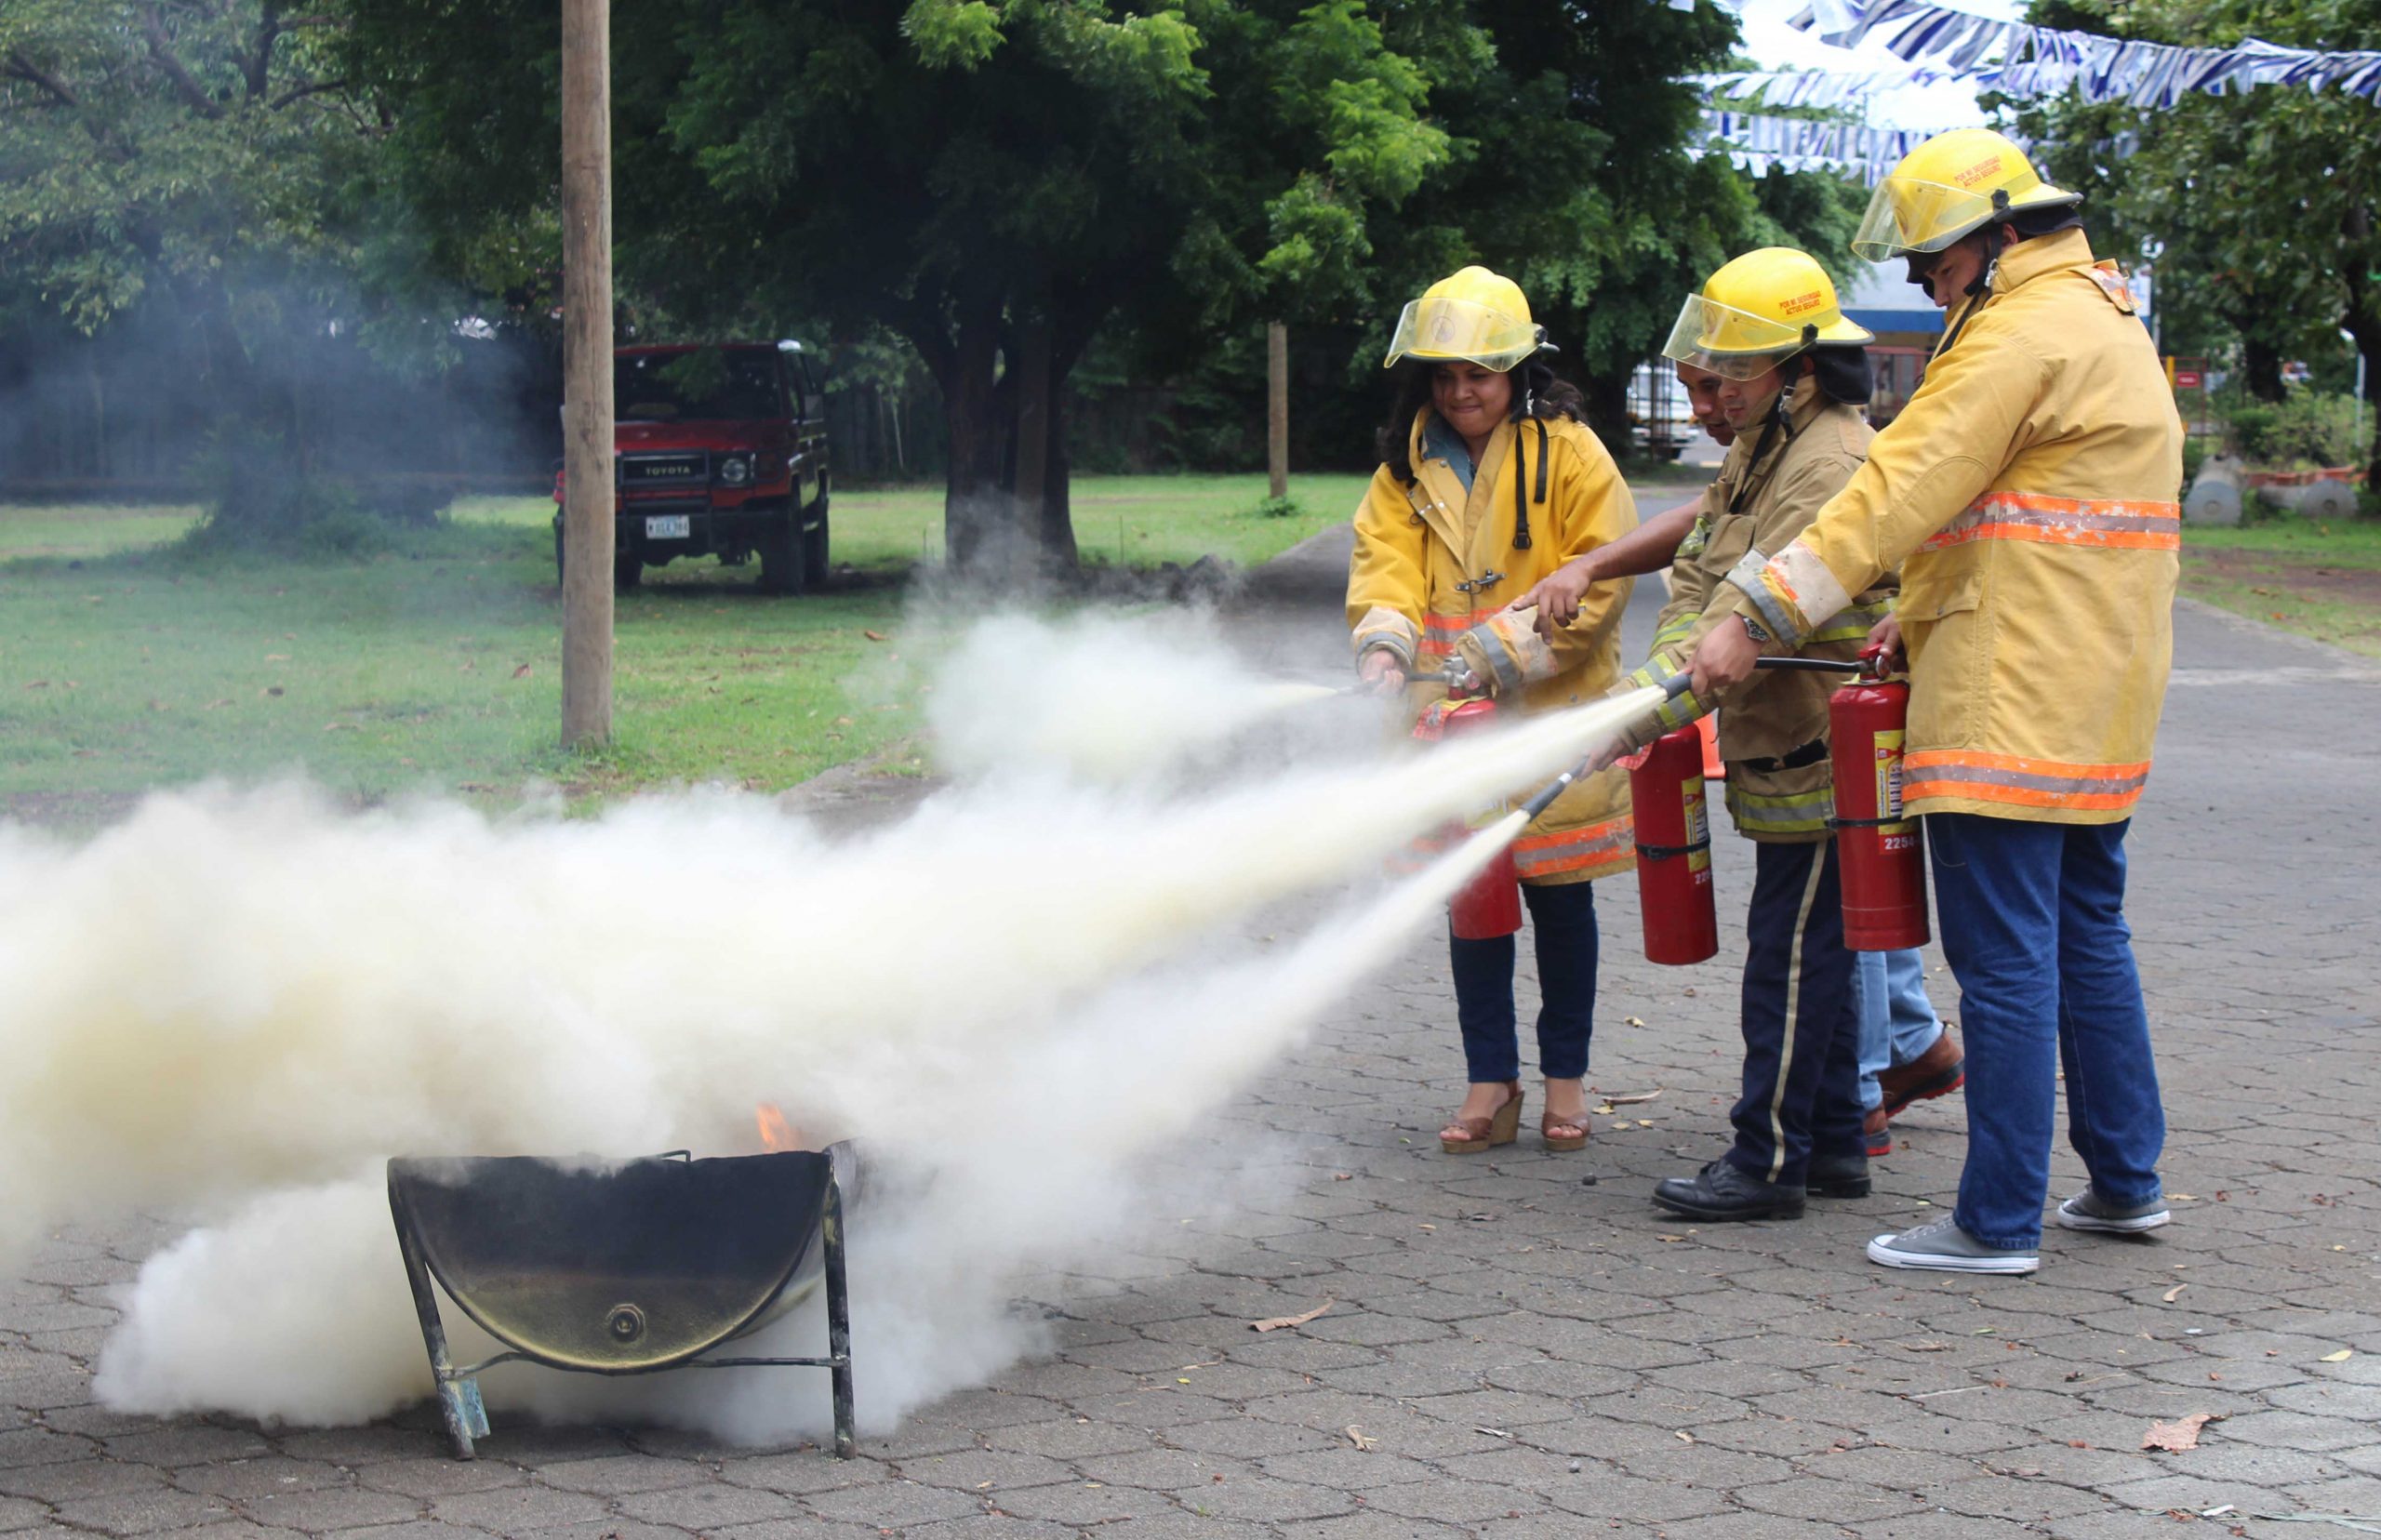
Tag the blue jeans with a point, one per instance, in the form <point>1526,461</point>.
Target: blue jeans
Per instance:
<point>1802,1070</point>
<point>1563,921</point>
<point>1897,1022</point>
<point>2033,923</point>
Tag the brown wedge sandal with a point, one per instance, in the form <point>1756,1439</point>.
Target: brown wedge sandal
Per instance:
<point>1577,1129</point>
<point>1501,1127</point>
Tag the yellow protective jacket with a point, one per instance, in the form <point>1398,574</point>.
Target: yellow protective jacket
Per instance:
<point>1774,725</point>
<point>1435,565</point>
<point>2027,494</point>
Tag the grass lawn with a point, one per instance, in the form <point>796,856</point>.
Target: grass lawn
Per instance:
<point>2321,580</point>
<point>126,664</point>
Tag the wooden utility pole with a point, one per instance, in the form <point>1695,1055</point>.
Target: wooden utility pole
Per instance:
<point>1277,406</point>
<point>587,372</point>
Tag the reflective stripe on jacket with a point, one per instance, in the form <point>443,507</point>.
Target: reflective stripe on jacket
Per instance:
<point>1433,569</point>
<point>2028,493</point>
<point>1775,489</point>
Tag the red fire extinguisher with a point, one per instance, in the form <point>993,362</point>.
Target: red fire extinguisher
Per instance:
<point>1667,799</point>
<point>1490,905</point>
<point>1882,851</point>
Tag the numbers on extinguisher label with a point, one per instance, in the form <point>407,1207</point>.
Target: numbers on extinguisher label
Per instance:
<point>1898,842</point>
<point>1888,751</point>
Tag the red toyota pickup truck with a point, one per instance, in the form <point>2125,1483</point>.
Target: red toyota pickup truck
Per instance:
<point>720,449</point>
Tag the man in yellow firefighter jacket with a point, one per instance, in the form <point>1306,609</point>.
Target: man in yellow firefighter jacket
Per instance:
<point>1489,481</point>
<point>1794,382</point>
<point>2028,494</point>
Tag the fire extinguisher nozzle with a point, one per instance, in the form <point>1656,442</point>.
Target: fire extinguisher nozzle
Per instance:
<point>1553,789</point>
<point>1677,685</point>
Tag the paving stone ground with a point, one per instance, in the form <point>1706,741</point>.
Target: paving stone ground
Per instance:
<point>1518,1345</point>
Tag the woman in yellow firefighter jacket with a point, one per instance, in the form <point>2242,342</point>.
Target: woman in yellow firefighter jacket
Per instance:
<point>1489,481</point>
<point>2028,494</point>
<point>1793,384</point>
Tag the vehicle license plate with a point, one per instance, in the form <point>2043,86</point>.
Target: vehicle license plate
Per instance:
<point>669,527</point>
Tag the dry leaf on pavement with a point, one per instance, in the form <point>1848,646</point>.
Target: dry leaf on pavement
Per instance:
<point>1361,1439</point>
<point>2177,1436</point>
<point>1277,1323</point>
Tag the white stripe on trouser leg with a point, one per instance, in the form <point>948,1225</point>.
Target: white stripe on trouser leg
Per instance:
<point>1794,1000</point>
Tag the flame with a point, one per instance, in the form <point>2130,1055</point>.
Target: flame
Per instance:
<point>777,1134</point>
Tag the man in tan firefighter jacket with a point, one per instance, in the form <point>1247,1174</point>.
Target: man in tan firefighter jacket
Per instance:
<point>2027,495</point>
<point>1793,381</point>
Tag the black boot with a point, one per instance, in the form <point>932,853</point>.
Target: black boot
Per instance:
<point>1721,1191</point>
<point>1843,1176</point>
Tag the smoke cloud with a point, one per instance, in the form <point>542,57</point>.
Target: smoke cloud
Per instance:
<point>236,1004</point>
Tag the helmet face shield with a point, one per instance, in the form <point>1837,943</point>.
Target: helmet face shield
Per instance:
<point>1730,342</point>
<point>1909,215</point>
<point>1447,330</point>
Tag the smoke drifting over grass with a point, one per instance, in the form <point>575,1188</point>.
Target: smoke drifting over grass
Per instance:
<point>234,1003</point>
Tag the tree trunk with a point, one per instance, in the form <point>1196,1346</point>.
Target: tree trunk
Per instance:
<point>1032,398</point>
<point>1059,556</point>
<point>1607,409</point>
<point>979,514</point>
<point>2261,367</point>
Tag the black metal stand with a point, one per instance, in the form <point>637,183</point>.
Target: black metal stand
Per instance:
<point>458,1389</point>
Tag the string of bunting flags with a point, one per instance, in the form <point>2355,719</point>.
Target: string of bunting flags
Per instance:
<point>1776,88</point>
<point>2028,61</point>
<point>1755,141</point>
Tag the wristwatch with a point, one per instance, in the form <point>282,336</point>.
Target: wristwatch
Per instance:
<point>1754,629</point>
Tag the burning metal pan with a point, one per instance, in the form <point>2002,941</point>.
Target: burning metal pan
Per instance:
<point>622,1269</point>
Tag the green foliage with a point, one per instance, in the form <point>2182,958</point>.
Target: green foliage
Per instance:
<point>2306,430</point>
<point>1283,506</point>
<point>260,498</point>
<point>2262,208</point>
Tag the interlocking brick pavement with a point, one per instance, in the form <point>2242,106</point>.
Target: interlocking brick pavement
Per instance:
<point>1519,1345</point>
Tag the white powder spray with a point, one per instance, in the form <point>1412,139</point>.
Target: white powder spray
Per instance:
<point>233,1003</point>
<point>1100,697</point>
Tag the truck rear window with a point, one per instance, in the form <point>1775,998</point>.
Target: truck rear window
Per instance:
<point>707,385</point>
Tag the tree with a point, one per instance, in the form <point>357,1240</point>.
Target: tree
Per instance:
<point>989,181</point>
<point>145,147</point>
<point>2263,208</point>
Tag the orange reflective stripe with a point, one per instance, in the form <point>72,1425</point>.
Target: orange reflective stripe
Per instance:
<point>1589,846</point>
<point>1439,632</point>
<point>2020,781</point>
<point>2117,523</point>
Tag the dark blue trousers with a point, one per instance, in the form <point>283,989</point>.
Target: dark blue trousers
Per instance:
<point>2033,924</point>
<point>1563,921</point>
<point>1800,1018</point>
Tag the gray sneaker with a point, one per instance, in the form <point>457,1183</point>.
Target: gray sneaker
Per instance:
<point>1942,1246</point>
<point>2088,1211</point>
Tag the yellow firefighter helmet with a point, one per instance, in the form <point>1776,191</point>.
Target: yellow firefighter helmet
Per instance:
<point>1474,315</point>
<point>1758,311</point>
<point>1954,183</point>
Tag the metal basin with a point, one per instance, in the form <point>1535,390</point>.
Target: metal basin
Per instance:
<point>619,1269</point>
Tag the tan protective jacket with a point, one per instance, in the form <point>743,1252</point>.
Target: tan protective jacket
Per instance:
<point>1435,566</point>
<point>2027,494</point>
<point>1773,727</point>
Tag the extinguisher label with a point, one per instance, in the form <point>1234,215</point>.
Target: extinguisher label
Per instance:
<point>1698,824</point>
<point>1889,746</point>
